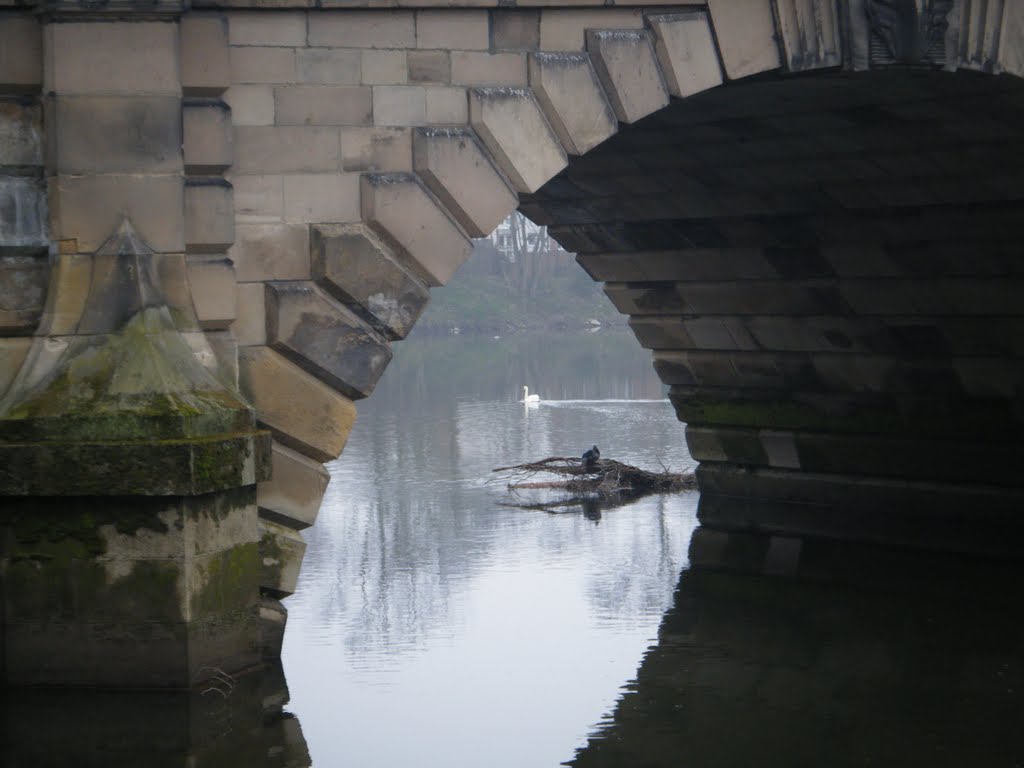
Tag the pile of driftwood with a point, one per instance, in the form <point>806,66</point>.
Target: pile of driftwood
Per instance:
<point>607,482</point>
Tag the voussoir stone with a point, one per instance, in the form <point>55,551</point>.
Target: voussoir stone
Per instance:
<point>456,169</point>
<point>745,30</point>
<point>686,51</point>
<point>281,552</point>
<point>400,209</point>
<point>628,69</point>
<point>352,264</point>
<point>512,126</point>
<point>809,33</point>
<point>324,338</point>
<point>300,410</point>
<point>568,90</point>
<point>295,489</point>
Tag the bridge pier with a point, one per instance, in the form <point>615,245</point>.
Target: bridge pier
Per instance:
<point>129,537</point>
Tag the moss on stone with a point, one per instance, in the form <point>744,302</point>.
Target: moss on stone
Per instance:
<point>228,579</point>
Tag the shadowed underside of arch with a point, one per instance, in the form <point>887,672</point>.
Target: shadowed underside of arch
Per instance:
<point>805,206</point>
<point>827,271</point>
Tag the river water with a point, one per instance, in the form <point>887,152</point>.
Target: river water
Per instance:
<point>437,626</point>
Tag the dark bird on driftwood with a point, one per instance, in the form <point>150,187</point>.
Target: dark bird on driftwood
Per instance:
<point>590,457</point>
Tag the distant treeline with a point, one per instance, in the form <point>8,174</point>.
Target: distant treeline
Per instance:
<point>518,279</point>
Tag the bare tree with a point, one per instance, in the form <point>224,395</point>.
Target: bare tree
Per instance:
<point>529,254</point>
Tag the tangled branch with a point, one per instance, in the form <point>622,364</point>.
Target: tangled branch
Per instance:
<point>607,481</point>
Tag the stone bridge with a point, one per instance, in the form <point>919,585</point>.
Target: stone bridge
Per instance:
<point>216,219</point>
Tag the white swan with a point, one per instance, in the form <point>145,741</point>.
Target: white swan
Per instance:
<point>528,398</point>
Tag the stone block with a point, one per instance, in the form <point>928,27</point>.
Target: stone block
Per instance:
<point>322,105</point>
<point>429,67</point>
<point>263,65</point>
<point>364,29</point>
<point>567,88</point>
<point>564,29</point>
<point>21,135</point>
<point>251,104</point>
<point>354,266</point>
<point>250,325</point>
<point>686,51</point>
<point>282,28</point>
<point>141,586</point>
<point>208,136</point>
<point>114,134</point>
<point>480,68</point>
<point>23,283</point>
<point>205,58</point>
<point>281,552</point>
<point>376,149</point>
<point>628,70</point>
<point>292,495</point>
<point>515,30</point>
<point>449,29</point>
<point>212,283</point>
<point>809,33</point>
<point>224,364</point>
<point>324,338</point>
<point>90,209</point>
<point>399,105</point>
<point>23,216</point>
<point>329,66</point>
<point>321,197</point>
<point>273,618</point>
<point>447,106</point>
<point>209,215</point>
<point>258,199</point>
<point>512,126</point>
<point>13,352</point>
<point>118,57</point>
<point>21,52</point>
<point>70,281</point>
<point>285,149</point>
<point>711,264</point>
<point>745,30</point>
<point>271,252</point>
<point>383,67</point>
<point>980,27</point>
<point>407,217</point>
<point>1011,40</point>
<point>458,171</point>
<point>302,412</point>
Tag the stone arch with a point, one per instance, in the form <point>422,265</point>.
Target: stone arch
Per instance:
<point>585,76</point>
<point>343,159</point>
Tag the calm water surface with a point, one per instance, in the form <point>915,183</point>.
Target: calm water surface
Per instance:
<point>434,624</point>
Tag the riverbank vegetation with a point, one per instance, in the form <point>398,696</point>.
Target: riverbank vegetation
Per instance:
<point>519,280</point>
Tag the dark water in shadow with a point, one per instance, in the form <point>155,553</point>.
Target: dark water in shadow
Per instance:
<point>782,652</point>
<point>435,626</point>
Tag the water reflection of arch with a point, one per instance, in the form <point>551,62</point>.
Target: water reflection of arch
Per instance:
<point>799,653</point>
<point>229,722</point>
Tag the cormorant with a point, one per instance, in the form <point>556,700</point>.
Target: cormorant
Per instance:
<point>590,457</point>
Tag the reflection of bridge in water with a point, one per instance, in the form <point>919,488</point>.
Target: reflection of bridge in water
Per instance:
<point>788,652</point>
<point>214,223</point>
<point>778,650</point>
